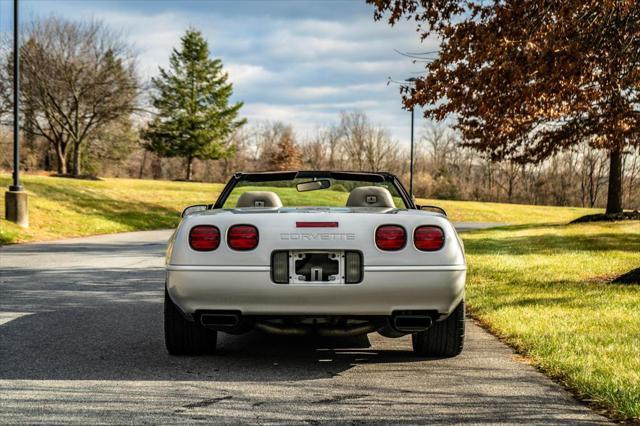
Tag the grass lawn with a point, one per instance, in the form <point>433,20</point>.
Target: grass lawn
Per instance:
<point>61,207</point>
<point>476,211</point>
<point>545,290</point>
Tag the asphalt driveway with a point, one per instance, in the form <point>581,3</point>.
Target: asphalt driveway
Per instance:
<point>81,341</point>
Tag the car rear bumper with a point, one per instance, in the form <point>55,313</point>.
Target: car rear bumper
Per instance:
<point>250,290</point>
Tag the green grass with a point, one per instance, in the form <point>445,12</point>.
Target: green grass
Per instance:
<point>479,211</point>
<point>61,207</point>
<point>545,290</point>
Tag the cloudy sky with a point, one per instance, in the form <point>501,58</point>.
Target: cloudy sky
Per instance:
<point>300,62</point>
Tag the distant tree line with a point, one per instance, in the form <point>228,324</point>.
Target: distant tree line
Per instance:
<point>443,167</point>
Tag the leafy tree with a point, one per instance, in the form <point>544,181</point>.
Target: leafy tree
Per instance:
<point>194,118</point>
<point>111,146</point>
<point>76,79</point>
<point>526,79</point>
<point>281,151</point>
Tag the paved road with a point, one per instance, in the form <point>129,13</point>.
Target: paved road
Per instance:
<point>81,341</point>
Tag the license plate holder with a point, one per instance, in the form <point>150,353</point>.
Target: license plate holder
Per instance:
<point>317,266</point>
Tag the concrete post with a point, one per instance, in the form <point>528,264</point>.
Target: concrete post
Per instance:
<point>16,207</point>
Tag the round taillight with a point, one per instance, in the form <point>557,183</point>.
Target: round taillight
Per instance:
<point>242,237</point>
<point>204,237</point>
<point>390,237</point>
<point>428,238</point>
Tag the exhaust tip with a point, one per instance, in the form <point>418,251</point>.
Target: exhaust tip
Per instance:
<point>220,320</point>
<point>412,323</point>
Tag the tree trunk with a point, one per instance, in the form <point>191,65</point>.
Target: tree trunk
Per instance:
<point>76,160</point>
<point>62,160</point>
<point>614,196</point>
<point>189,161</point>
<point>46,161</point>
<point>144,161</point>
<point>156,167</point>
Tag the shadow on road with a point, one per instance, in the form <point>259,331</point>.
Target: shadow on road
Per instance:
<point>123,341</point>
<point>82,324</point>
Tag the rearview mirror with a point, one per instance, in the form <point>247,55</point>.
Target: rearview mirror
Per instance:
<point>313,185</point>
<point>193,209</point>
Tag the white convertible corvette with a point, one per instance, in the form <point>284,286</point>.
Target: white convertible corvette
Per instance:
<point>310,252</point>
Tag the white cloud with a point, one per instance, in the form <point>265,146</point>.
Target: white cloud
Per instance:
<point>298,69</point>
<point>248,74</point>
<point>152,35</point>
<point>315,92</point>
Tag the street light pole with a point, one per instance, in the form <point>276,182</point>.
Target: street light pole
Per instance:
<point>16,105</point>
<point>411,80</point>
<point>411,160</point>
<point>15,199</point>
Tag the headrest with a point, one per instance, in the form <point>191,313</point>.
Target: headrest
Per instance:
<point>259,199</point>
<point>370,196</point>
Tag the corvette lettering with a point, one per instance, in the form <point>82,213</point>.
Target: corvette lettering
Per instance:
<point>314,236</point>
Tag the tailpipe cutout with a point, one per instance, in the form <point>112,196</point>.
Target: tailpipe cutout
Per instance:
<point>412,323</point>
<point>220,321</point>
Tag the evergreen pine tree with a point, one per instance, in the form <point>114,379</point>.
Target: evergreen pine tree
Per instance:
<point>194,118</point>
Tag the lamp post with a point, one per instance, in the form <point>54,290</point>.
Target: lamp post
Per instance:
<point>15,200</point>
<point>411,80</point>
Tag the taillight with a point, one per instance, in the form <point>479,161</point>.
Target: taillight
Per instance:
<point>242,237</point>
<point>428,238</point>
<point>204,238</point>
<point>390,237</point>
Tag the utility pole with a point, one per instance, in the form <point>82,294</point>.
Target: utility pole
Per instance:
<point>411,160</point>
<point>411,80</point>
<point>15,201</point>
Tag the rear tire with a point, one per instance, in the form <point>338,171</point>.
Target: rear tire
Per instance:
<point>183,337</point>
<point>444,338</point>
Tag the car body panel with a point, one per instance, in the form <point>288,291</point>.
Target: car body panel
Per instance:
<point>355,231</point>
<point>251,292</point>
<point>406,279</point>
